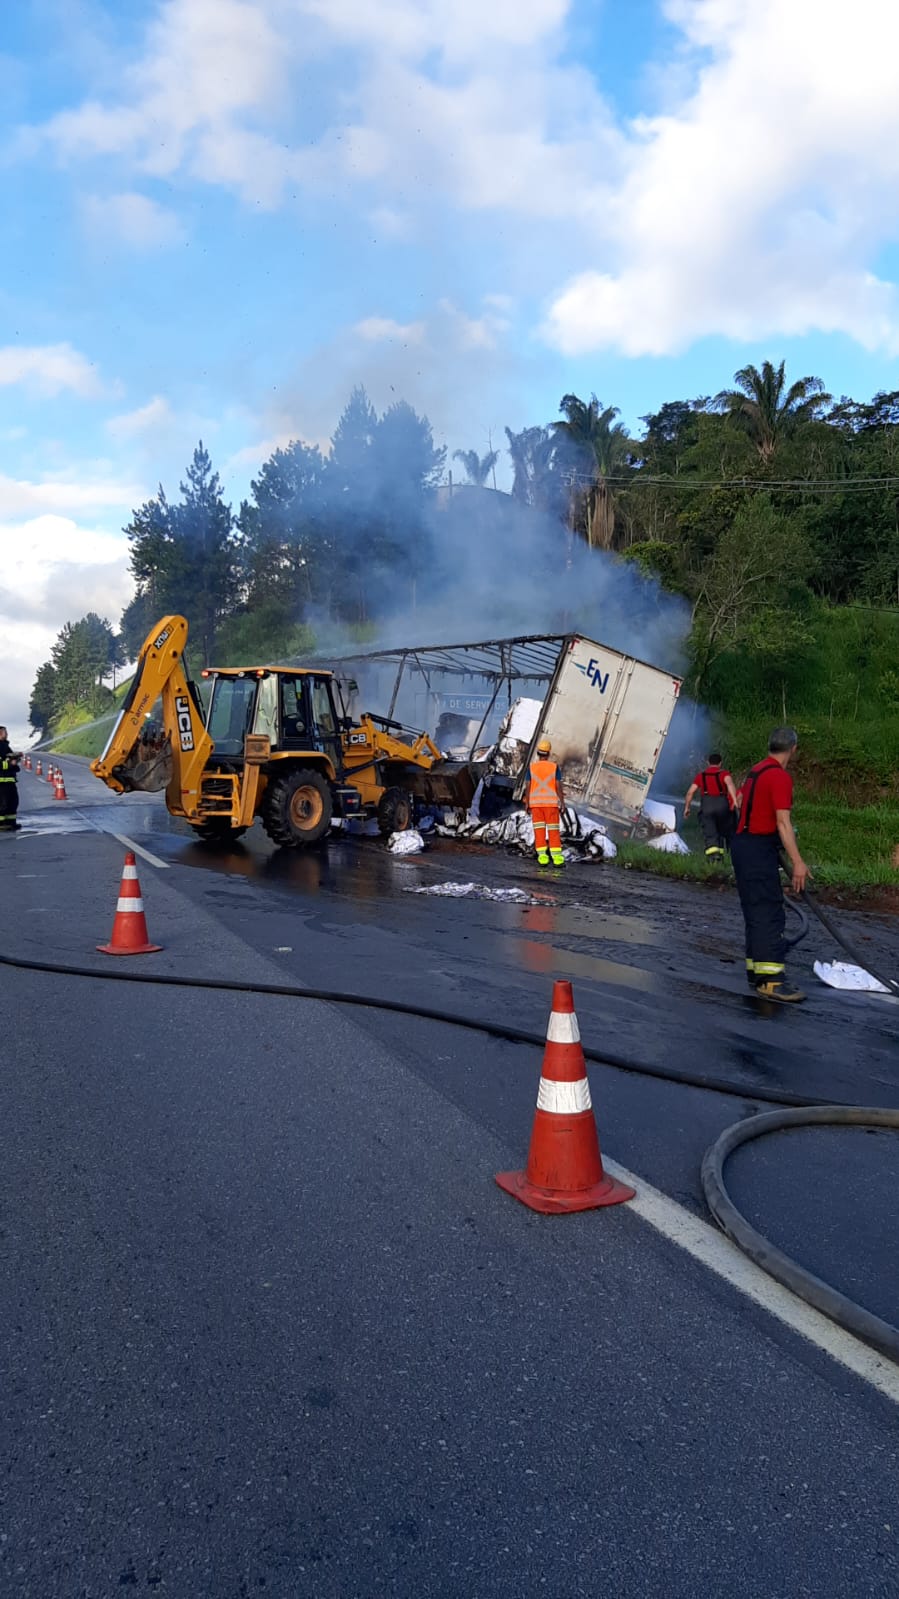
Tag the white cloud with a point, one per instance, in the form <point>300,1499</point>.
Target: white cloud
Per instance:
<point>252,456</point>
<point>20,497</point>
<point>146,419</point>
<point>55,569</point>
<point>208,66</point>
<point>756,206</point>
<point>49,368</point>
<point>132,218</point>
<point>416,96</point>
<point>374,329</point>
<point>758,203</point>
<point>476,333</point>
<point>463,31</point>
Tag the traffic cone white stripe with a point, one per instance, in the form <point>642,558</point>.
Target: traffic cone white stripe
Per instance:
<point>129,874</point>
<point>563,1028</point>
<point>130,905</point>
<point>564,1099</point>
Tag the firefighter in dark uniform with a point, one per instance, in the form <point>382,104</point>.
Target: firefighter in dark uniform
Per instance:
<point>763,830</point>
<point>717,805</point>
<point>9,790</point>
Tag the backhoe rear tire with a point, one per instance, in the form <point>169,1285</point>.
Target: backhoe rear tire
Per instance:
<point>217,832</point>
<point>298,808</point>
<point>394,811</point>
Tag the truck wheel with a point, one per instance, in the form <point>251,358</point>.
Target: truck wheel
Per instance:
<point>217,832</point>
<point>394,811</point>
<point>298,808</point>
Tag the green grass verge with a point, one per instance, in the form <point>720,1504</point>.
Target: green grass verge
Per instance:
<point>845,847</point>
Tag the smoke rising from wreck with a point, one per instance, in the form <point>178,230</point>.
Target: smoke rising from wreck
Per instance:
<point>476,565</point>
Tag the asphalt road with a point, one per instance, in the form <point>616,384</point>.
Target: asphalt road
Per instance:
<point>269,1326</point>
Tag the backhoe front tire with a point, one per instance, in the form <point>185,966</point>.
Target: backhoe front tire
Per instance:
<point>298,809</point>
<point>394,811</point>
<point>217,832</point>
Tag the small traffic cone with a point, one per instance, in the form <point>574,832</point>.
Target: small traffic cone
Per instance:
<point>60,785</point>
<point>27,763</point>
<point>129,928</point>
<point>37,770</point>
<point>564,1170</point>
<point>50,773</point>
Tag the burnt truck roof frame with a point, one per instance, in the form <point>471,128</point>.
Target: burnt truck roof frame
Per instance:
<point>527,658</point>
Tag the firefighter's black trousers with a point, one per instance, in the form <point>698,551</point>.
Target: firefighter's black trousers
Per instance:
<point>9,803</point>
<point>716,821</point>
<point>756,858</point>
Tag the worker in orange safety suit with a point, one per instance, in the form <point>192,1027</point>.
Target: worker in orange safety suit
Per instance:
<point>545,800</point>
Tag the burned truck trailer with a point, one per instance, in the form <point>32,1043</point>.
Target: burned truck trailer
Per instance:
<point>606,713</point>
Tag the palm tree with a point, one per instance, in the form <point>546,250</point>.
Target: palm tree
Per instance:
<point>477,467</point>
<point>768,410</point>
<point>602,445</point>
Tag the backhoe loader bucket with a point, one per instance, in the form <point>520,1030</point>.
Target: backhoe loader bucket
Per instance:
<point>148,767</point>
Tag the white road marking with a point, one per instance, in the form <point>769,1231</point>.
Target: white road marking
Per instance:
<point>708,1245</point>
<point>138,850</point>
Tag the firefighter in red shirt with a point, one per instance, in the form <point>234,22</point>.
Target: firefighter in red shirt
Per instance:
<point>717,805</point>
<point>764,828</point>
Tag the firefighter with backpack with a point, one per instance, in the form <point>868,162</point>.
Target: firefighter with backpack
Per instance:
<point>717,805</point>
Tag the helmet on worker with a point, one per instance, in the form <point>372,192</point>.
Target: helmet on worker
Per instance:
<point>544,747</point>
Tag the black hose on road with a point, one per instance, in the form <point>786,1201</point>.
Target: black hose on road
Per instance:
<point>853,1318</point>
<point>803,1112</point>
<point>516,1035</point>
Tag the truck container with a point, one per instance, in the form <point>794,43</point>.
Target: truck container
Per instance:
<point>607,713</point>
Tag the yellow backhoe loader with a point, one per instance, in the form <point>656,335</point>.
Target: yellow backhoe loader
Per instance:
<point>272,742</point>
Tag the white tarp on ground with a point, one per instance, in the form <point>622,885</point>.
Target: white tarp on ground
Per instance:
<point>669,844</point>
<point>509,896</point>
<point>840,974</point>
<point>582,836</point>
<point>409,842</point>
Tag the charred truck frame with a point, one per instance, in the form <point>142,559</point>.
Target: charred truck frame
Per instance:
<point>606,713</point>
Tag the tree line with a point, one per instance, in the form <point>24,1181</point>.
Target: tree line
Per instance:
<point>758,505</point>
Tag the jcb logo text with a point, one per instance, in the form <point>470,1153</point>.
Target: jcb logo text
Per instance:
<point>185,726</point>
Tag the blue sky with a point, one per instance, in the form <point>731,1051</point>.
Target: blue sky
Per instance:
<point>219,215</point>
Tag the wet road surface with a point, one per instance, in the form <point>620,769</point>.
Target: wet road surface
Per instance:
<point>270,1315</point>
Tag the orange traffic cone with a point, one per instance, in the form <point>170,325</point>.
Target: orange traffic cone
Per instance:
<point>60,785</point>
<point>27,763</point>
<point>564,1170</point>
<point>50,771</point>
<point>37,770</point>
<point>129,929</point>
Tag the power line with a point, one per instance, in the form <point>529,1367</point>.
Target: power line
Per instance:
<point>795,485</point>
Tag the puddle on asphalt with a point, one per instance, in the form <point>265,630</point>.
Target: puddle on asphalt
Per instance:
<point>544,958</point>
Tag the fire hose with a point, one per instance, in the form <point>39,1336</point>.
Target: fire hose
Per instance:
<point>798,1111</point>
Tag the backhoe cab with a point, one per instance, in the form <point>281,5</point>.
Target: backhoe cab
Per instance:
<point>272,742</point>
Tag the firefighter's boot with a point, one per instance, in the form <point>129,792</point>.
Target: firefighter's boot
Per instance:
<point>542,858</point>
<point>558,857</point>
<point>779,988</point>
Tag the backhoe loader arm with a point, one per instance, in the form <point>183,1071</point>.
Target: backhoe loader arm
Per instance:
<point>138,757</point>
